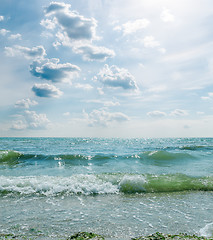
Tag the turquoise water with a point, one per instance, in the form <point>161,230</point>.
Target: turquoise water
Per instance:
<point>51,188</point>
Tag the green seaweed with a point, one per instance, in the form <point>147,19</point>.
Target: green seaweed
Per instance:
<point>86,235</point>
<point>161,236</point>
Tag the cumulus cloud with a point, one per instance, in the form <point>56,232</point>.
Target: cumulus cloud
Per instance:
<point>91,53</point>
<point>71,23</point>
<point>156,114</point>
<point>46,90</point>
<point>103,118</point>
<point>166,16</point>
<point>115,77</point>
<point>36,121</point>
<point>29,53</point>
<point>3,31</point>
<point>179,113</point>
<point>56,6</point>
<point>133,26</point>
<point>54,71</point>
<point>47,23</point>
<point>75,31</point>
<point>25,103</point>
<point>15,36</point>
<point>1,18</point>
<point>31,120</point>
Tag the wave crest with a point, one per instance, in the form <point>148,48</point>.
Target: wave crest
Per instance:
<point>164,155</point>
<point>103,184</point>
<point>9,157</point>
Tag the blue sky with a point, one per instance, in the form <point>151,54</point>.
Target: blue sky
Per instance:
<point>106,68</point>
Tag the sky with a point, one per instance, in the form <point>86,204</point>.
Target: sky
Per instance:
<point>106,68</point>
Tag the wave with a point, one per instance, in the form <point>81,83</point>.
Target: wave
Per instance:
<point>14,157</point>
<point>197,147</point>
<point>164,155</point>
<point>9,157</point>
<point>102,184</point>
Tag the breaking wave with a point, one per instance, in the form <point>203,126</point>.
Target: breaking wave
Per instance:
<point>102,184</point>
<point>9,157</point>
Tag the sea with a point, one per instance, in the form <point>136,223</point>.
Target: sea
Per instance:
<point>52,188</point>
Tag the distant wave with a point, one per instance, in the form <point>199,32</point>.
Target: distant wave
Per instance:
<point>14,157</point>
<point>165,155</point>
<point>102,184</point>
<point>197,147</point>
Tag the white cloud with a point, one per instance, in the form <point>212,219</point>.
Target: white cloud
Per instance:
<point>54,71</point>
<point>105,103</point>
<point>36,121</point>
<point>3,31</point>
<point>66,114</point>
<point>166,16</point>
<point>71,23</point>
<point>174,113</point>
<point>19,125</point>
<point>162,50</point>
<point>56,6</point>
<point>209,97</point>
<point>158,89</point>
<point>1,18</point>
<point>100,91</point>
<point>84,86</point>
<point>75,31</point>
<point>46,90</point>
<point>29,53</point>
<point>117,28</point>
<point>156,114</point>
<point>25,103</point>
<point>91,53</point>
<point>200,113</point>
<point>150,42</point>
<point>103,118</point>
<point>31,120</point>
<point>15,36</point>
<point>205,98</point>
<point>133,26</point>
<point>115,77</point>
<point>47,23</point>
<point>179,113</point>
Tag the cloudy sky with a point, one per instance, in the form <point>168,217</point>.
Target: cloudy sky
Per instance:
<point>106,68</point>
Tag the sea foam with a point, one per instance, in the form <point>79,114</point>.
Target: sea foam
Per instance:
<point>207,231</point>
<point>51,185</point>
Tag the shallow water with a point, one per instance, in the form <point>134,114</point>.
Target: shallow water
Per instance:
<point>51,188</point>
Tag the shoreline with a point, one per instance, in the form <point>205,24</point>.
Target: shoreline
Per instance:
<point>90,235</point>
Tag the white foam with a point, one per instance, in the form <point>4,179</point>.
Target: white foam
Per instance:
<point>207,231</point>
<point>52,185</point>
<point>132,184</point>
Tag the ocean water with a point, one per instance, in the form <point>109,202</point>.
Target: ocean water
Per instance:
<point>51,188</point>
